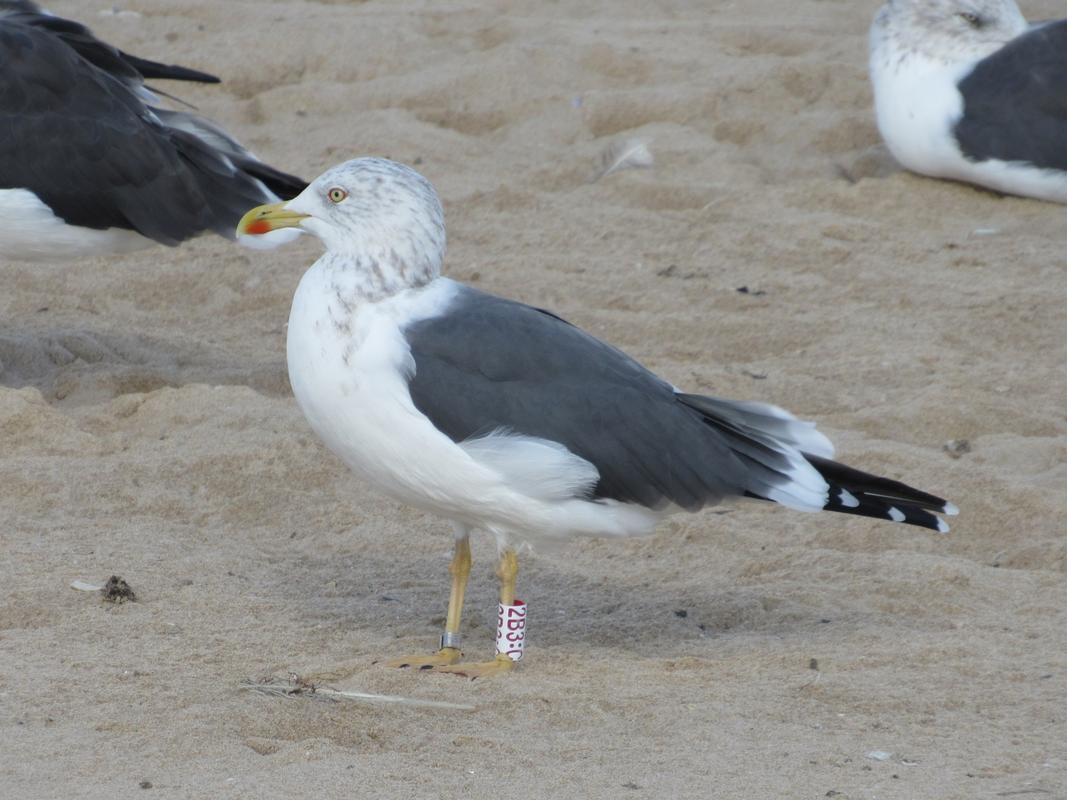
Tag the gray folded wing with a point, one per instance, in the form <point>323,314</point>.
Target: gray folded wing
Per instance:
<point>1015,101</point>
<point>490,364</point>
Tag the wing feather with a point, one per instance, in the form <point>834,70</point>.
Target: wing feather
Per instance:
<point>489,364</point>
<point>1015,101</point>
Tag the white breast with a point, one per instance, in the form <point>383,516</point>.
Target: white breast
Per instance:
<point>917,105</point>
<point>348,366</point>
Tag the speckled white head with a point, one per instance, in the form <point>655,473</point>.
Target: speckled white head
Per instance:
<point>378,219</point>
<point>947,30</point>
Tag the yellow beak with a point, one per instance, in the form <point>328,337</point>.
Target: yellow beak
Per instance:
<point>264,219</point>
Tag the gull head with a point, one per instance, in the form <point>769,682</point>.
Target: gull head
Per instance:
<point>949,30</point>
<point>372,215</point>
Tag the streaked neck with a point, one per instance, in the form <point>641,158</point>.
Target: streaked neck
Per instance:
<point>370,275</point>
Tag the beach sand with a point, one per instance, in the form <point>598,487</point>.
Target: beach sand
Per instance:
<point>774,252</point>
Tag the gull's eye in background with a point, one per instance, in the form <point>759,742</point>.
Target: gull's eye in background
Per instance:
<point>971,19</point>
<point>336,194</point>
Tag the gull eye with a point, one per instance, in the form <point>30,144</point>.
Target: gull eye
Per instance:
<point>971,19</point>
<point>336,194</point>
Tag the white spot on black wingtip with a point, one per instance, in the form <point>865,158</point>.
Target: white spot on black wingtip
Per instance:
<point>896,514</point>
<point>951,509</point>
<point>942,526</point>
<point>848,500</point>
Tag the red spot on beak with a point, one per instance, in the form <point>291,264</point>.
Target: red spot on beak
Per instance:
<point>259,226</point>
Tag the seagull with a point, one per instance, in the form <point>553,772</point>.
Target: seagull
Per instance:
<point>91,165</point>
<point>968,90</point>
<point>505,418</point>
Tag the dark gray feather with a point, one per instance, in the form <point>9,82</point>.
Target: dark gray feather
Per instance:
<point>491,363</point>
<point>77,135</point>
<point>1015,101</point>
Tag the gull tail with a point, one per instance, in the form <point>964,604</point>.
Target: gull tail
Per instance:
<point>788,462</point>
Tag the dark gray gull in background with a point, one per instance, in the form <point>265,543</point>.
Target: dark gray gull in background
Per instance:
<point>967,90</point>
<point>505,418</point>
<point>91,165</point>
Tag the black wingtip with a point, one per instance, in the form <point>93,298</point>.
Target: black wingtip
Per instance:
<point>892,509</point>
<point>154,70</point>
<point>283,184</point>
<point>853,491</point>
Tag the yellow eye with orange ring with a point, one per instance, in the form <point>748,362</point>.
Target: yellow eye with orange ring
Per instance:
<point>336,194</point>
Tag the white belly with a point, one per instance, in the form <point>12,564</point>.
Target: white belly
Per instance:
<point>29,231</point>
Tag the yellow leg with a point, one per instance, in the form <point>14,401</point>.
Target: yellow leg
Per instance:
<point>507,570</point>
<point>460,568</point>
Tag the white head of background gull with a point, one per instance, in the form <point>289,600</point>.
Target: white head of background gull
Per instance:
<point>505,418</point>
<point>90,163</point>
<point>967,90</point>
<point>948,31</point>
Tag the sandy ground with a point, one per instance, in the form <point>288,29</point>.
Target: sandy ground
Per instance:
<point>147,430</point>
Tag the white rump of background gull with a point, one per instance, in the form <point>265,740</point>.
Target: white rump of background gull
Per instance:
<point>503,417</point>
<point>89,162</point>
<point>967,90</point>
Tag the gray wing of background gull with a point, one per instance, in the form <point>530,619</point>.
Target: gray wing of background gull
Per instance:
<point>488,364</point>
<point>1015,101</point>
<point>76,130</point>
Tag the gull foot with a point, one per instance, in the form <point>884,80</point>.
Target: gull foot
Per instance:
<point>480,669</point>
<point>442,658</point>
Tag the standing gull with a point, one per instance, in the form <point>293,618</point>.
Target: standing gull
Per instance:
<point>967,90</point>
<point>90,165</point>
<point>503,417</point>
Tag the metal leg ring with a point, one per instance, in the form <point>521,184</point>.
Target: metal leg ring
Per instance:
<point>450,640</point>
